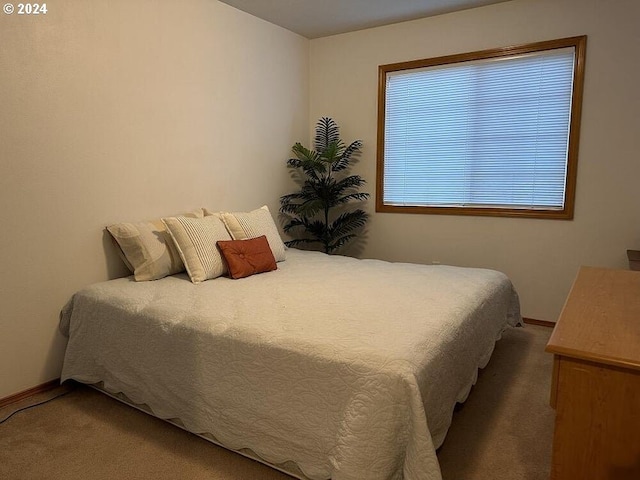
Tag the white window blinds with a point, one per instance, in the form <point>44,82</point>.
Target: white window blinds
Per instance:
<point>484,133</point>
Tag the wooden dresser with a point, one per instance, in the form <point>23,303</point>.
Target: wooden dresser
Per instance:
<point>596,378</point>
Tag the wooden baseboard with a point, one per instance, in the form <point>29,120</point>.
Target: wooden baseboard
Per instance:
<point>27,393</point>
<point>542,323</point>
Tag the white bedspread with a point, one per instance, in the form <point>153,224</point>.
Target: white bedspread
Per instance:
<point>349,368</point>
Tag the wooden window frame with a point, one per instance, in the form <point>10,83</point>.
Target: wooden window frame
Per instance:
<point>579,43</point>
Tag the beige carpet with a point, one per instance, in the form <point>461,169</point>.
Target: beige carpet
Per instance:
<point>502,432</point>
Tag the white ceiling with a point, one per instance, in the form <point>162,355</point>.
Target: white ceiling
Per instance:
<point>320,18</point>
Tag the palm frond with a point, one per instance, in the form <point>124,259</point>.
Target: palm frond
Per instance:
<point>309,208</point>
<point>336,244</point>
<point>289,208</point>
<point>308,192</point>
<point>309,160</point>
<point>290,197</point>
<point>327,131</point>
<point>301,203</point>
<point>304,153</point>
<point>359,196</point>
<point>293,223</point>
<point>333,152</point>
<point>352,181</point>
<point>299,241</point>
<point>347,222</point>
<point>345,158</point>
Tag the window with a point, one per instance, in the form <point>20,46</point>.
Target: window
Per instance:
<point>485,133</point>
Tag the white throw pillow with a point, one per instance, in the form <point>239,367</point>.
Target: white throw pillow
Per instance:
<point>195,239</point>
<point>147,248</point>
<point>243,225</point>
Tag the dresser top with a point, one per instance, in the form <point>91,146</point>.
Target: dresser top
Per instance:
<point>600,320</point>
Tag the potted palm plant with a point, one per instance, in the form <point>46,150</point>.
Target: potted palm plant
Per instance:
<point>319,212</point>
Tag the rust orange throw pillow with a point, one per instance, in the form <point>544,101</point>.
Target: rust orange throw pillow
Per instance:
<point>247,257</point>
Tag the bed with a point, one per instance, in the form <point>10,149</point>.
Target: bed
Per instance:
<point>328,367</point>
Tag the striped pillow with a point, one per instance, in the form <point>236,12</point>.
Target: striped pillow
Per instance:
<point>195,239</point>
<point>243,225</point>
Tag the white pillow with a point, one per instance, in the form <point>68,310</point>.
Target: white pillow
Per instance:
<point>243,225</point>
<point>147,248</point>
<point>195,239</point>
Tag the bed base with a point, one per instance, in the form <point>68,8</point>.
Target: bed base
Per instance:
<point>288,468</point>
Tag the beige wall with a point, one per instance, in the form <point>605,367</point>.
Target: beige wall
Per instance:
<point>541,256</point>
<point>123,110</point>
